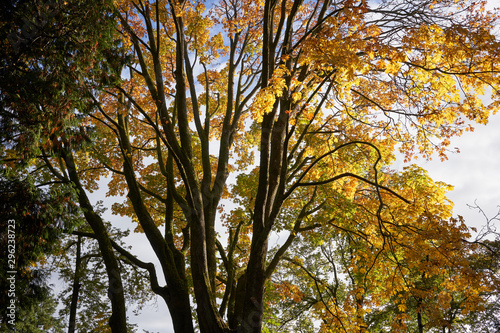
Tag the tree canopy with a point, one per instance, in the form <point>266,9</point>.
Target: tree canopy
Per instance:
<point>221,124</point>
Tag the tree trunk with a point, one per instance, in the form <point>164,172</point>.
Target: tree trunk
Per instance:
<point>179,308</point>
<point>118,319</point>
<point>252,316</point>
<point>76,288</point>
<point>176,295</point>
<point>419,316</point>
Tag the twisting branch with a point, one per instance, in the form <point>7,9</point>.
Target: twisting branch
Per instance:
<point>150,267</point>
<point>317,283</point>
<point>375,183</point>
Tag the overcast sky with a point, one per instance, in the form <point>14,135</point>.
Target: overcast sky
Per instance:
<point>474,172</point>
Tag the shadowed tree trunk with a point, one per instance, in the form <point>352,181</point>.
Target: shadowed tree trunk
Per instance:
<point>76,287</point>
<point>118,319</point>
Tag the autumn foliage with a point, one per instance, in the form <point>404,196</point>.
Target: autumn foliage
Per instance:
<point>239,122</point>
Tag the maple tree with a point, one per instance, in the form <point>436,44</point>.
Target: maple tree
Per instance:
<point>415,273</point>
<point>304,104</point>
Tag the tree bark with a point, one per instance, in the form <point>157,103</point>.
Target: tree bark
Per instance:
<point>76,288</point>
<point>419,321</point>
<point>118,319</point>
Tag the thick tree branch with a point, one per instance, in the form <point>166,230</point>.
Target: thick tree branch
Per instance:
<point>134,260</point>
